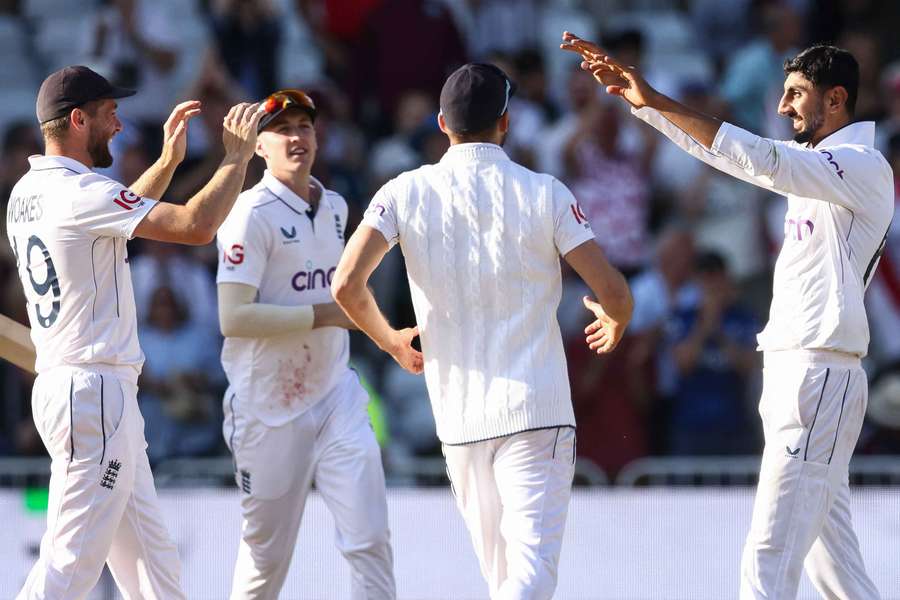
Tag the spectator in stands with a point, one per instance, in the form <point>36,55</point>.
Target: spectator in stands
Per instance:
<point>139,47</point>
<point>883,295</point>
<point>489,26</point>
<point>342,157</point>
<point>866,50</point>
<point>181,380</point>
<point>611,185</point>
<point>753,78</point>
<point>424,34</point>
<point>217,92</point>
<point>523,140</point>
<point>890,93</point>
<point>247,35</point>
<point>174,268</point>
<point>658,293</point>
<point>20,140</point>
<point>714,349</point>
<point>393,154</point>
<point>581,94</point>
<point>532,80</point>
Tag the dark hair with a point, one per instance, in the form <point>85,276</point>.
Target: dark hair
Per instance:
<point>827,67</point>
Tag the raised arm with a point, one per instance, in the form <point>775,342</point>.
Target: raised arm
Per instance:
<point>196,221</point>
<point>614,304</point>
<point>154,182</point>
<point>241,316</point>
<point>363,254</point>
<point>845,175</point>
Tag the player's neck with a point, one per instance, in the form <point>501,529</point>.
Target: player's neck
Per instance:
<point>79,154</point>
<point>828,128</point>
<point>299,183</point>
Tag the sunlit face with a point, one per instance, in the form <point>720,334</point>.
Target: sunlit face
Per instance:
<point>101,127</point>
<point>289,142</point>
<point>804,105</point>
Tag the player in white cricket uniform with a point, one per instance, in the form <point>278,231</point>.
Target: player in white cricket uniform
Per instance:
<point>840,202</point>
<point>295,413</point>
<point>482,237</point>
<point>67,227</point>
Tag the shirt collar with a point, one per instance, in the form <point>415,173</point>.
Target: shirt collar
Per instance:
<point>287,195</point>
<point>475,151</point>
<point>41,162</point>
<point>861,133</point>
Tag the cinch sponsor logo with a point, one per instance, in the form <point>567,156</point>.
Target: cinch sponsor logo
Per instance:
<point>833,163</point>
<point>311,280</point>
<point>798,229</point>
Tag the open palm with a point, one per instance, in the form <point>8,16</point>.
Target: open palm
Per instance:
<point>620,80</point>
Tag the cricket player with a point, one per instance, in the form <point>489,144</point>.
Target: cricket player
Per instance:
<point>295,413</point>
<point>67,227</point>
<point>482,237</point>
<point>840,203</point>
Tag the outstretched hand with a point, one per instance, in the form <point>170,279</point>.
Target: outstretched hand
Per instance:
<point>239,130</point>
<point>175,130</point>
<point>620,80</point>
<point>605,333</point>
<point>403,352</point>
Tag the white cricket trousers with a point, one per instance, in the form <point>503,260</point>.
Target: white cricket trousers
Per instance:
<point>333,445</point>
<point>513,493</point>
<point>102,505</point>
<point>812,409</point>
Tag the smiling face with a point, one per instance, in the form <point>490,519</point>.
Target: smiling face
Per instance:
<point>288,144</point>
<point>804,104</point>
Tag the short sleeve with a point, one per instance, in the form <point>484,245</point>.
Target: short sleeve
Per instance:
<point>571,227</point>
<point>109,209</point>
<point>382,215</point>
<point>243,249</point>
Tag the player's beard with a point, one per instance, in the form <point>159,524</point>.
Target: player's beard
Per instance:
<point>812,123</point>
<point>98,149</point>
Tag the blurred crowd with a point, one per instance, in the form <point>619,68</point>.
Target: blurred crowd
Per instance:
<point>696,245</point>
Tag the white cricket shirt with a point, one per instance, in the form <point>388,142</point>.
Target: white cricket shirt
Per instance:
<point>482,236</point>
<point>67,227</point>
<point>270,242</point>
<point>840,204</point>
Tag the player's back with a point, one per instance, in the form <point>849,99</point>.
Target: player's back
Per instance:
<point>67,227</point>
<point>482,237</point>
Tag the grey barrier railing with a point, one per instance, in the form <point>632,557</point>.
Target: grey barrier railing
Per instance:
<point>417,471</point>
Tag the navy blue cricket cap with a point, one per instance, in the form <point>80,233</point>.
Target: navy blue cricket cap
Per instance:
<point>475,96</point>
<point>72,87</point>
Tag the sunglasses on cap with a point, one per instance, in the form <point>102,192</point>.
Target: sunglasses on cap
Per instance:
<point>282,100</point>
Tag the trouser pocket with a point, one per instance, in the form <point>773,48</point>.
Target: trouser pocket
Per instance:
<point>78,413</point>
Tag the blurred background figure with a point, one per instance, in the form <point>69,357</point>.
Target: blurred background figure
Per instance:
<point>181,382</point>
<point>714,350</point>
<point>247,36</point>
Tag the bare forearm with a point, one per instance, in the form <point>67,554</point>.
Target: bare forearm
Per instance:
<point>213,202</point>
<point>154,182</point>
<point>614,295</point>
<point>699,126</point>
<point>360,306</point>
<point>331,315</point>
